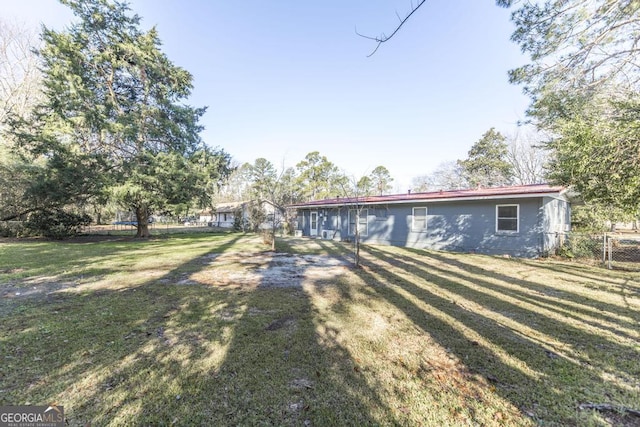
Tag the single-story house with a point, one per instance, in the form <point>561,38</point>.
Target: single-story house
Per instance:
<point>522,221</point>
<point>224,214</point>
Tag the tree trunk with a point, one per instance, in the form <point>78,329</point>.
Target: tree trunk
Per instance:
<point>273,241</point>
<point>142,217</point>
<point>97,211</point>
<point>357,248</point>
<point>274,222</point>
<point>18,215</point>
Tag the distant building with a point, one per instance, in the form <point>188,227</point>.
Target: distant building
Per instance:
<point>224,214</point>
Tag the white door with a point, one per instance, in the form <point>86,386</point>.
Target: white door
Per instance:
<point>314,224</point>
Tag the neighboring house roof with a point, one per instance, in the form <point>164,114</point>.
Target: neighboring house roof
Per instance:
<point>229,207</point>
<point>537,190</point>
<point>222,208</point>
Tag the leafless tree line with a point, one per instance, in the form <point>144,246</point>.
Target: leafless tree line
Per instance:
<point>20,79</point>
<point>526,155</point>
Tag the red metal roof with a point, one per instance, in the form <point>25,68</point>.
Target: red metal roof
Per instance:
<point>518,191</point>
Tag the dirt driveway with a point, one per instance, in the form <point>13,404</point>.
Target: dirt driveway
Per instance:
<point>248,270</point>
<point>266,269</point>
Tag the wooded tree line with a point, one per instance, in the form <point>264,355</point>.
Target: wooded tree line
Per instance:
<point>494,160</point>
<point>314,177</point>
<point>96,114</point>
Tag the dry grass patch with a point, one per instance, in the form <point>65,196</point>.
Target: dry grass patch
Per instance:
<point>547,336</point>
<point>216,330</point>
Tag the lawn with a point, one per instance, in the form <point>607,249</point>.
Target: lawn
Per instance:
<point>213,329</point>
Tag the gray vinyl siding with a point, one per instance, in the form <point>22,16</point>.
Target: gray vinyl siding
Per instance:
<point>461,226</point>
<point>556,221</point>
<point>329,221</point>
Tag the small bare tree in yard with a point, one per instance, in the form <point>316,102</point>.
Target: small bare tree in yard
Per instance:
<point>354,199</point>
<point>269,223</point>
<point>256,215</point>
<point>281,191</point>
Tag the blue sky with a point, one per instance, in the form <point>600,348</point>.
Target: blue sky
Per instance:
<point>284,78</point>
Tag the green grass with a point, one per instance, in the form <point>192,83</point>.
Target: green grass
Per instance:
<point>181,330</point>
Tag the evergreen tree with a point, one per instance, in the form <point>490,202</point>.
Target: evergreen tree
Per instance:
<point>575,46</point>
<point>365,186</point>
<point>114,98</point>
<point>583,80</point>
<point>599,154</point>
<point>487,164</point>
<point>263,177</point>
<point>381,180</point>
<point>319,178</point>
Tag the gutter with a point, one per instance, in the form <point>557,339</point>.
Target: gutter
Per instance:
<point>434,200</point>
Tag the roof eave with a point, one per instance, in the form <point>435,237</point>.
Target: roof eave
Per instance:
<point>557,193</point>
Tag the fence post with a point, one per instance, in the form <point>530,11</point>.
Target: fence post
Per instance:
<point>610,250</point>
<point>604,248</point>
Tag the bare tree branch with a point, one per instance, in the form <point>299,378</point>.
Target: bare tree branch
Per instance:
<point>383,37</point>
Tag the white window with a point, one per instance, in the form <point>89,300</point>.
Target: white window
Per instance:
<point>419,219</point>
<point>508,218</point>
<point>381,213</point>
<point>362,221</point>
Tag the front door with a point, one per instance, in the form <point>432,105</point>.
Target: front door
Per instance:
<point>313,231</point>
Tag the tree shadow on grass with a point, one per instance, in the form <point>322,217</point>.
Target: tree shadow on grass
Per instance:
<point>46,266</point>
<point>580,273</point>
<point>569,300</point>
<point>83,349</point>
<point>213,350</point>
<point>537,372</point>
<point>279,369</point>
<point>553,303</point>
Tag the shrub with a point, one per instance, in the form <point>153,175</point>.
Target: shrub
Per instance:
<point>11,229</point>
<point>56,224</point>
<point>580,245</point>
<point>238,220</point>
<point>267,237</point>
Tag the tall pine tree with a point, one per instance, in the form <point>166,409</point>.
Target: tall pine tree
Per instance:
<point>114,99</point>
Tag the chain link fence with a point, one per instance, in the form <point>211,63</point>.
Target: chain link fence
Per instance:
<point>622,251</point>
<point>585,246</point>
<point>615,250</point>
